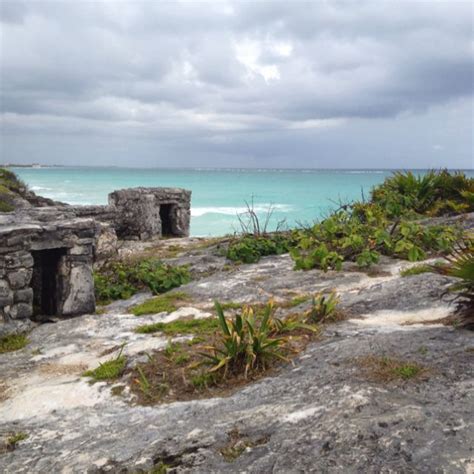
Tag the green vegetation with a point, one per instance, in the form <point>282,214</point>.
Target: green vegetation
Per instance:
<point>407,371</point>
<point>296,301</point>
<point>362,231</point>
<point>5,206</point>
<point>238,443</point>
<point>422,268</point>
<point>160,304</point>
<point>161,468</point>
<point>12,441</point>
<point>250,248</point>
<point>109,370</point>
<point>245,345</point>
<point>461,265</point>
<point>323,308</point>
<point>9,186</point>
<point>203,380</point>
<point>13,342</point>
<point>387,369</point>
<point>223,354</point>
<point>122,279</point>
<point>231,305</point>
<point>180,326</point>
<point>435,193</point>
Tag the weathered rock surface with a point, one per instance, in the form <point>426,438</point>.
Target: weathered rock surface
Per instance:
<point>319,414</point>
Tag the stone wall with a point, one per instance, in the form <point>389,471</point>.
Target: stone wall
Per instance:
<point>138,211</point>
<point>24,236</point>
<point>135,213</point>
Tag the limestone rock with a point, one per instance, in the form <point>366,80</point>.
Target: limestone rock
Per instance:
<point>80,298</point>
<point>107,242</point>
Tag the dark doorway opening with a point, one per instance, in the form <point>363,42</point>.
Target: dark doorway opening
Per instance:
<point>166,216</point>
<point>45,281</point>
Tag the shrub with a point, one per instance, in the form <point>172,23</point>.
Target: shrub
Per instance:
<point>245,345</point>
<point>250,248</point>
<point>361,233</point>
<point>122,279</point>
<point>10,186</point>
<point>462,267</point>
<point>434,193</point>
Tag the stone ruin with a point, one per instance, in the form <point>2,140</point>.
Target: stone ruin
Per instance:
<point>47,253</point>
<point>144,213</point>
<point>45,265</point>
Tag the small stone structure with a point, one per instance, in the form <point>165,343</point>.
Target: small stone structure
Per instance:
<point>45,265</point>
<point>147,212</point>
<point>143,213</point>
<point>47,253</point>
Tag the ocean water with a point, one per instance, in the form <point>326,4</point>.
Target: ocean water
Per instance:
<point>218,196</point>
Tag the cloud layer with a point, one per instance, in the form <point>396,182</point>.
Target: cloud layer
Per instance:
<point>237,83</point>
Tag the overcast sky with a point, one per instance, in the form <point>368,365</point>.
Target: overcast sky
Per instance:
<point>322,84</point>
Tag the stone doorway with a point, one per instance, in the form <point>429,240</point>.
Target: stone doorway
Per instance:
<point>167,220</point>
<point>46,282</point>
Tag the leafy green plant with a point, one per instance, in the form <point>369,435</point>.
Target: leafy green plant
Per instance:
<point>361,233</point>
<point>122,279</point>
<point>433,193</point>
<point>461,266</point>
<point>250,248</point>
<point>13,342</point>
<point>245,345</point>
<point>323,308</point>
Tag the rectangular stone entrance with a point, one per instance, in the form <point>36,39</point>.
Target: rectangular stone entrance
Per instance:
<point>167,220</point>
<point>46,281</point>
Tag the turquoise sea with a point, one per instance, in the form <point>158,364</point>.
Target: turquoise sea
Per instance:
<point>297,196</point>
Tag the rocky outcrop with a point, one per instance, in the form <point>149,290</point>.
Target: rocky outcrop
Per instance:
<point>321,413</point>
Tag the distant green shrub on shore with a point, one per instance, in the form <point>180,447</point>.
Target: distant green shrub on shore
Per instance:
<point>9,186</point>
<point>434,193</point>
<point>122,279</point>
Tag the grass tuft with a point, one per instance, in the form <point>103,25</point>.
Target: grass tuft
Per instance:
<point>182,326</point>
<point>422,268</point>
<point>387,369</point>
<point>109,370</point>
<point>165,303</point>
<point>13,342</point>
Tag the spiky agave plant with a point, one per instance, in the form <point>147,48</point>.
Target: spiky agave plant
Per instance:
<point>461,265</point>
<point>245,345</point>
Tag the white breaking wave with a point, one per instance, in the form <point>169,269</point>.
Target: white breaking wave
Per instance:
<point>40,188</point>
<point>232,211</point>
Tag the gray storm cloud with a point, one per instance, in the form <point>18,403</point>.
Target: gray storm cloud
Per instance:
<point>331,84</point>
